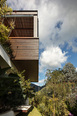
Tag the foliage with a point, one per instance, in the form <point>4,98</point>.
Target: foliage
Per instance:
<point>4,8</point>
<point>32,112</point>
<point>58,97</point>
<point>69,72</point>
<point>14,89</point>
<point>5,30</point>
<point>3,71</point>
<point>10,92</point>
<point>26,86</point>
<point>72,109</point>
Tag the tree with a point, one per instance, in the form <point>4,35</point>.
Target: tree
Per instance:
<point>69,72</point>
<point>10,90</point>
<point>59,95</point>
<point>27,90</point>
<point>26,86</point>
<point>14,89</point>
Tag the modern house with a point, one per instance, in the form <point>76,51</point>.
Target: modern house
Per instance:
<point>25,42</point>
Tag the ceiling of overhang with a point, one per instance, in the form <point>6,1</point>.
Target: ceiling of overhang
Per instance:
<point>30,67</point>
<point>23,26</point>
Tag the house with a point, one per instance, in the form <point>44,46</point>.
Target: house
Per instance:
<point>25,42</point>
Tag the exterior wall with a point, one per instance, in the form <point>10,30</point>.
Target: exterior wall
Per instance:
<point>25,48</point>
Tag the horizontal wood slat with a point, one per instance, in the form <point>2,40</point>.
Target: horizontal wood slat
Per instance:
<point>27,58</point>
<point>23,40</point>
<point>32,47</point>
<point>27,49</point>
<point>25,52</point>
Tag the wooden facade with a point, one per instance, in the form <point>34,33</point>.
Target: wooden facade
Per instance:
<point>24,26</point>
<point>25,48</point>
<point>25,42</point>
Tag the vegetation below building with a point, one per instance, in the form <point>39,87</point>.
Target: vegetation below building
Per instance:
<point>14,89</point>
<point>59,96</point>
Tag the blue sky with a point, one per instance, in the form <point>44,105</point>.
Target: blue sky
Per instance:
<point>57,32</point>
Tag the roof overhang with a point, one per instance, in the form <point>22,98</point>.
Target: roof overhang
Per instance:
<point>30,67</point>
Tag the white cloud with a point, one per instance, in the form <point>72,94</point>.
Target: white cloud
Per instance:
<point>52,58</point>
<point>41,81</point>
<point>76,69</point>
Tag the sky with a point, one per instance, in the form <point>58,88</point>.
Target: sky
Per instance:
<point>57,32</point>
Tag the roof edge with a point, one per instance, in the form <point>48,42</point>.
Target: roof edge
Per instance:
<point>25,10</point>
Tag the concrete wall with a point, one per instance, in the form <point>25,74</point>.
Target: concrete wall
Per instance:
<point>5,57</point>
<point>9,113</point>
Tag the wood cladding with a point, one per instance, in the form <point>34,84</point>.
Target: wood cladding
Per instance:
<point>24,26</point>
<point>25,49</point>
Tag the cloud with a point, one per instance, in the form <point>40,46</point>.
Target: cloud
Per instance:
<point>52,58</point>
<point>41,81</point>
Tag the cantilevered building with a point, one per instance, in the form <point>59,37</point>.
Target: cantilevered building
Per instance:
<point>25,42</point>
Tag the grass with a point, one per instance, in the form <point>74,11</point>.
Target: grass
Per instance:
<point>34,112</point>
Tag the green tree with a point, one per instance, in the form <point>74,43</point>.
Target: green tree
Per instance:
<point>69,72</point>
<point>27,90</point>
<point>14,89</point>
<point>53,98</point>
<point>10,90</point>
<point>26,86</point>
